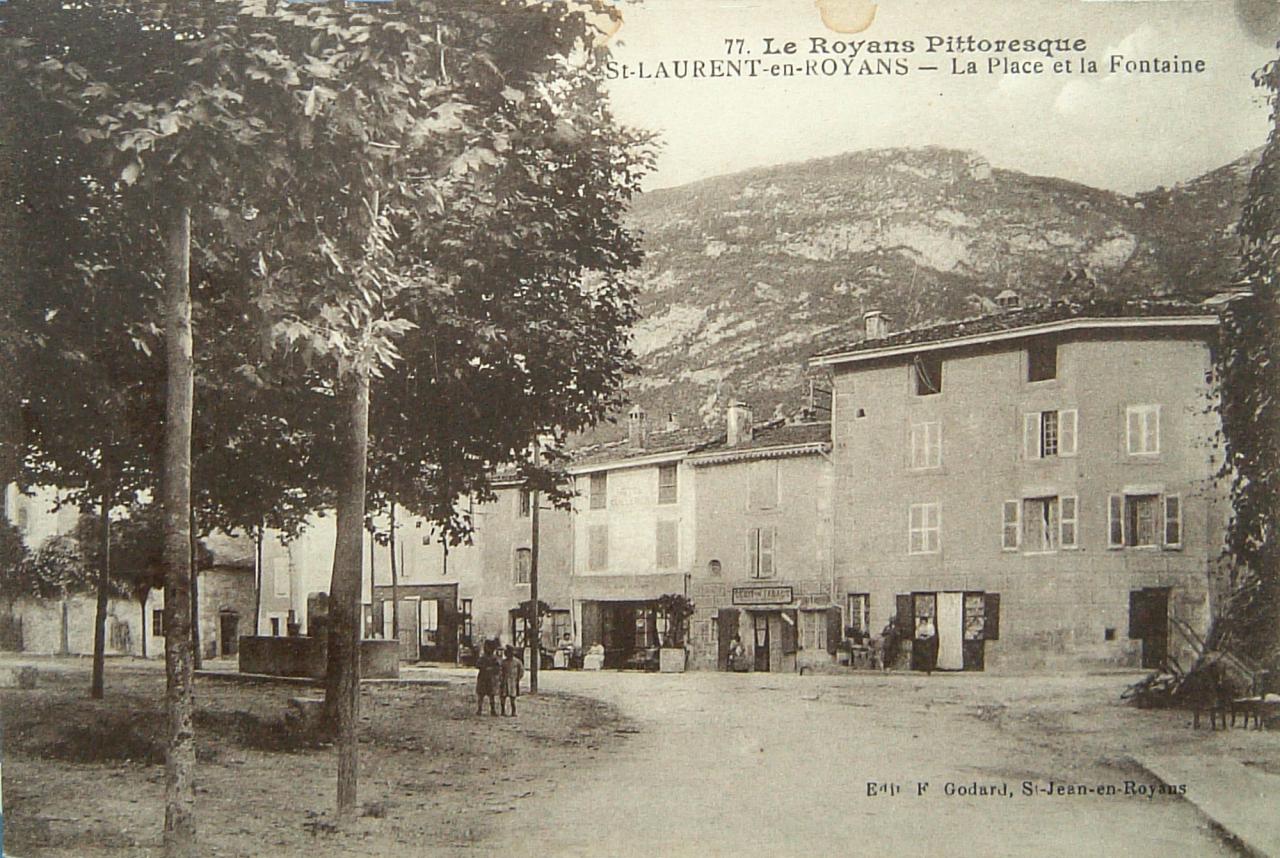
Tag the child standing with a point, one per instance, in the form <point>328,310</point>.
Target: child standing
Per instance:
<point>512,673</point>
<point>488,677</point>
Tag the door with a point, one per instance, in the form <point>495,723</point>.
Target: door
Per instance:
<point>1149,621</point>
<point>727,630</point>
<point>950,631</point>
<point>407,619</point>
<point>228,632</point>
<point>760,623</point>
<point>592,625</point>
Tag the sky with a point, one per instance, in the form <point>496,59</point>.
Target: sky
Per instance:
<point>1121,131</point>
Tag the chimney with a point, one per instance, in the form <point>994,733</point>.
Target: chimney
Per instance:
<point>877,324</point>
<point>738,422</point>
<point>673,423</point>
<point>637,427</point>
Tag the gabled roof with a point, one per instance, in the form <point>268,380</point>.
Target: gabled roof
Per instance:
<point>774,439</point>
<point>658,446</point>
<point>1026,321</point>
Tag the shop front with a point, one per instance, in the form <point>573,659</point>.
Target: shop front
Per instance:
<point>426,616</point>
<point>948,630</point>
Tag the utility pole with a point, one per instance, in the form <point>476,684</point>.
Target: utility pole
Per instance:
<point>533,584</point>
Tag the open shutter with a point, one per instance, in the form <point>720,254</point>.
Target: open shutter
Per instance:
<point>1067,434</point>
<point>1031,435</point>
<point>1173,521</point>
<point>991,616</point>
<point>906,622</point>
<point>789,631</point>
<point>1012,528</point>
<point>835,629</point>
<point>753,552</point>
<point>1067,526</point>
<point>1115,521</point>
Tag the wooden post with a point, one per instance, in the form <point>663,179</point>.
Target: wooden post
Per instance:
<point>104,590</point>
<point>395,584</point>
<point>536,648</point>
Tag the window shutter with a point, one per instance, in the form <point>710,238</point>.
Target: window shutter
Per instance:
<point>1133,431</point>
<point>1031,435</point>
<point>1115,521</point>
<point>835,629</point>
<point>1012,526</point>
<point>767,540</point>
<point>753,552</point>
<point>991,616</point>
<point>1067,421</point>
<point>905,621</point>
<point>1151,441</point>
<point>1173,521</point>
<point>1067,527</point>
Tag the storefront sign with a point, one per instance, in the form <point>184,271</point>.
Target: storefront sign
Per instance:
<point>762,595</point>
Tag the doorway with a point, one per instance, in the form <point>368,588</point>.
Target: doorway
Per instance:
<point>950,631</point>
<point>726,631</point>
<point>228,632</point>
<point>407,622</point>
<point>1149,622</point>
<point>760,625</point>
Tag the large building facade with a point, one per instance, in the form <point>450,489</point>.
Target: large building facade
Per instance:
<point>1037,485</point>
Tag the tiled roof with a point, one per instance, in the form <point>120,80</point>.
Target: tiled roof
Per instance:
<point>1025,317</point>
<point>679,440</point>
<point>773,434</point>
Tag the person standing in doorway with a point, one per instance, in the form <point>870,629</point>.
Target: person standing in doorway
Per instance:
<point>737,654</point>
<point>512,673</point>
<point>927,634</point>
<point>488,677</point>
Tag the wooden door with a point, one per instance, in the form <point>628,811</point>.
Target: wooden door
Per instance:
<point>726,631</point>
<point>228,628</point>
<point>760,623</point>
<point>1149,622</point>
<point>407,620</point>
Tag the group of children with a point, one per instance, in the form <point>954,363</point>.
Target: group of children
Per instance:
<point>498,677</point>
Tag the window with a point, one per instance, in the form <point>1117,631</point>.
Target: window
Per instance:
<point>524,503</point>
<point>275,627</point>
<point>760,545</point>
<point>1040,524</point>
<point>1042,361</point>
<point>597,547</point>
<point>646,628</point>
<point>925,529</point>
<point>1049,433</point>
<point>714,568</point>
<point>157,623</point>
<point>524,565</point>
<point>859,615</point>
<point>280,575</point>
<point>1144,521</point>
<point>667,486</point>
<point>813,630</point>
<point>668,543</point>
<point>1142,430</point>
<point>926,445</point>
<point>763,488</point>
<point>600,490</point>
<point>1068,522</point>
<point>429,622</point>
<point>926,374</point>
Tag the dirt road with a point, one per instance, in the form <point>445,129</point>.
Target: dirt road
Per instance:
<point>781,765</point>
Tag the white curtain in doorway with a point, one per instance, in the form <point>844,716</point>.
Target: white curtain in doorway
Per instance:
<point>950,631</point>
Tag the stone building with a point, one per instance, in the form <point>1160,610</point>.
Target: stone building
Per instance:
<point>1036,484</point>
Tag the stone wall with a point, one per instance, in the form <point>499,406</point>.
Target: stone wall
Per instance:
<point>307,657</point>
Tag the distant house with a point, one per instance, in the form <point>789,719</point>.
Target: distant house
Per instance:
<point>1036,484</point>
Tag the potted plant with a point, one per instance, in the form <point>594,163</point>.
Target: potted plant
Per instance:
<point>677,609</point>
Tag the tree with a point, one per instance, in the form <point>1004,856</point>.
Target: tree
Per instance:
<point>1247,384</point>
<point>55,570</point>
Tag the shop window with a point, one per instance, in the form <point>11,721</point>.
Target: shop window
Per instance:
<point>926,374</point>
<point>667,483</point>
<point>924,528</point>
<point>1142,430</point>
<point>599,490</point>
<point>667,544</point>
<point>598,547</point>
<point>926,445</point>
<point>429,622</point>
<point>813,630</point>
<point>1042,361</point>
<point>1048,434</point>
<point>760,550</point>
<point>524,565</point>
<point>975,616</point>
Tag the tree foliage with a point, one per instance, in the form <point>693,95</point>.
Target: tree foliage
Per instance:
<point>1248,382</point>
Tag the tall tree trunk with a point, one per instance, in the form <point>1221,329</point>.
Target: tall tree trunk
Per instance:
<point>257,580</point>
<point>395,583</point>
<point>342,691</point>
<point>175,493</point>
<point>197,657</point>
<point>536,621</point>
<point>104,592</point>
<point>372,565</point>
<point>64,630</point>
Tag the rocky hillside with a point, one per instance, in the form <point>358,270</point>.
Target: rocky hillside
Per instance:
<point>748,274</point>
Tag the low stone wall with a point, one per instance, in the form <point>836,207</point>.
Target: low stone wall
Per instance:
<point>307,657</point>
